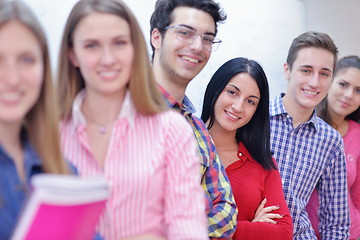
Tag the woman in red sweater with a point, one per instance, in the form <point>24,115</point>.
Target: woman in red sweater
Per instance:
<point>236,112</point>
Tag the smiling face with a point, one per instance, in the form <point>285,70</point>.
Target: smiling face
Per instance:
<point>178,60</point>
<point>21,71</point>
<point>237,103</point>
<point>344,94</point>
<point>103,50</point>
<point>309,79</point>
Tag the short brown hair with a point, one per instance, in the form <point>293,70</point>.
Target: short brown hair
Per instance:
<point>311,39</point>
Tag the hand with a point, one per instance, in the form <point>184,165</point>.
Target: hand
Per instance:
<point>263,214</point>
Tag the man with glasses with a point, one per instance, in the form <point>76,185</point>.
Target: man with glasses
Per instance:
<point>182,39</point>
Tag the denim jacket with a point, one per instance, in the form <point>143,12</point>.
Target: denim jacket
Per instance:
<point>13,193</point>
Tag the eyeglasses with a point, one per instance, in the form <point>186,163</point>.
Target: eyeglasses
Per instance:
<point>188,35</point>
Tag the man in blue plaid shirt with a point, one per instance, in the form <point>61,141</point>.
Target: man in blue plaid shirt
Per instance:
<point>310,153</point>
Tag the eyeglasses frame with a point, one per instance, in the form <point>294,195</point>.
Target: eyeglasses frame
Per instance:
<point>216,42</point>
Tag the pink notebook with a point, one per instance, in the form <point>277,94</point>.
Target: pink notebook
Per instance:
<point>62,207</point>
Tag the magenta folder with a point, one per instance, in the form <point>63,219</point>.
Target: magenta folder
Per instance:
<point>62,208</point>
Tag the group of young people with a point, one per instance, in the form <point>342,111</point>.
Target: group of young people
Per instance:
<point>268,169</point>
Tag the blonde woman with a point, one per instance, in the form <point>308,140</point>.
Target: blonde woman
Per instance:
<point>115,124</point>
<point>29,138</point>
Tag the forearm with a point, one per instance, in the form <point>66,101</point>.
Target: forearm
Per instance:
<point>221,221</point>
<point>185,214</point>
<point>334,214</point>
<point>223,212</point>
<point>265,231</point>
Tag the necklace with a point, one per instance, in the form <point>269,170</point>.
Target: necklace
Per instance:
<point>102,130</point>
<point>102,127</point>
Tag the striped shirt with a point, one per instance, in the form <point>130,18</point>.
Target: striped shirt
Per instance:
<point>311,155</point>
<point>152,168</point>
<point>221,208</point>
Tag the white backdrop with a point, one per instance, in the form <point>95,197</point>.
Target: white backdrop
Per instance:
<point>259,29</point>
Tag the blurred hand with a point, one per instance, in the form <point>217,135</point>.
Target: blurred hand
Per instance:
<point>263,214</point>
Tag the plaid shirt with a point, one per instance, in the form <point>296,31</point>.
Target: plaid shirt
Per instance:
<point>311,155</point>
<point>221,208</point>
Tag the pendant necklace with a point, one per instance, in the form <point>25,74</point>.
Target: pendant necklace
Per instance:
<point>102,127</point>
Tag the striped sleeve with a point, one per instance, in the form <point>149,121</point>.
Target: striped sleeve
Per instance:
<point>184,204</point>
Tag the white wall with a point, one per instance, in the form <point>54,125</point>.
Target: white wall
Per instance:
<point>259,29</point>
<point>53,15</point>
<point>340,19</point>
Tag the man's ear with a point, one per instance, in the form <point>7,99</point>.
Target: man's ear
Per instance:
<point>73,58</point>
<point>287,71</point>
<point>156,38</point>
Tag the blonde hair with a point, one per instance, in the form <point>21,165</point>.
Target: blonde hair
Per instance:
<point>41,122</point>
<point>143,88</point>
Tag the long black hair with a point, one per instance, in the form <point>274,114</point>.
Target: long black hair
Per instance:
<point>255,135</point>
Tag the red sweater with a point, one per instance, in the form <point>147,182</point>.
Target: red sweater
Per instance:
<point>251,183</point>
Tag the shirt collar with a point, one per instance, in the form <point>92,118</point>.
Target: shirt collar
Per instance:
<point>243,153</point>
<point>31,158</point>
<point>277,105</point>
<point>77,116</point>
<point>127,112</point>
<point>278,108</point>
<point>314,119</point>
<point>186,104</point>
